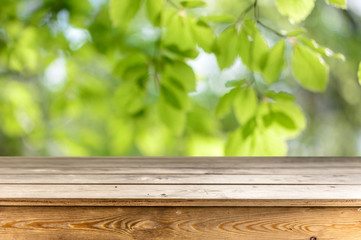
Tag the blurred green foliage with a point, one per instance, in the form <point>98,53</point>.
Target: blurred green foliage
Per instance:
<point>168,77</point>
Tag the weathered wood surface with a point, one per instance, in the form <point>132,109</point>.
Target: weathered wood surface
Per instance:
<point>180,198</point>
<point>173,161</point>
<point>183,191</point>
<point>113,179</point>
<point>183,223</point>
<point>234,170</point>
<point>195,181</point>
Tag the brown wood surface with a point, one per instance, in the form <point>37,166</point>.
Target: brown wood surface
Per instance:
<point>167,202</point>
<point>142,223</point>
<point>180,198</point>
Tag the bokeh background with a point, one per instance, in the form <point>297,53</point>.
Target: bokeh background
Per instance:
<point>59,94</point>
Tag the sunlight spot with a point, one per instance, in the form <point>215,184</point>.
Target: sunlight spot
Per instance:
<point>77,37</point>
<point>55,74</point>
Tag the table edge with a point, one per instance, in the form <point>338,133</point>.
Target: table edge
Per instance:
<point>97,202</point>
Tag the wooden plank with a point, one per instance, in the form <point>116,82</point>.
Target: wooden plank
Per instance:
<point>156,202</point>
<point>352,179</point>
<point>223,223</point>
<point>159,164</point>
<point>202,162</point>
<point>183,191</point>
<point>175,158</point>
<point>179,171</point>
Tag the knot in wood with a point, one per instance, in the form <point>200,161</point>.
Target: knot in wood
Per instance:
<point>313,238</point>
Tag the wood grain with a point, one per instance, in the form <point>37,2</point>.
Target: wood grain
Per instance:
<point>180,198</point>
<point>140,223</point>
<point>177,171</point>
<point>332,179</point>
<point>191,179</point>
<point>181,162</point>
<point>189,159</point>
<point>183,191</point>
<point>156,202</point>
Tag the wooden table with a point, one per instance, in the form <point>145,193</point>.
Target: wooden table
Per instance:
<point>180,198</point>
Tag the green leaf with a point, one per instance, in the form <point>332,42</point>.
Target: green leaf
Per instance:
<point>295,32</point>
<point>359,74</point>
<point>249,25</point>
<point>225,103</point>
<point>129,97</point>
<point>283,120</point>
<point>274,63</point>
<point>266,132</point>
<point>234,143</point>
<point>236,83</point>
<point>245,48</point>
<point>326,52</point>
<point>254,140</point>
<point>227,47</point>
<point>245,104</point>
<point>154,8</point>
<point>253,48</point>
<point>137,74</point>
<point>170,97</point>
<point>203,35</point>
<point>268,143</point>
<point>249,128</point>
<point>338,3</point>
<point>309,68</point>
<point>122,11</point>
<point>132,68</point>
<point>240,142</point>
<point>283,117</point>
<point>280,96</point>
<point>219,18</point>
<point>294,112</point>
<point>267,120</point>
<point>193,4</point>
<point>260,51</point>
<point>130,61</point>
<point>172,118</point>
<point>179,37</point>
<point>182,73</point>
<point>295,10</point>
<point>172,50</point>
<point>174,93</point>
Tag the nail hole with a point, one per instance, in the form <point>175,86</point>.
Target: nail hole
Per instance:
<point>313,238</point>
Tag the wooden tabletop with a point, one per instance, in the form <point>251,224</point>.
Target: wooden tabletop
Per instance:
<point>166,181</point>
